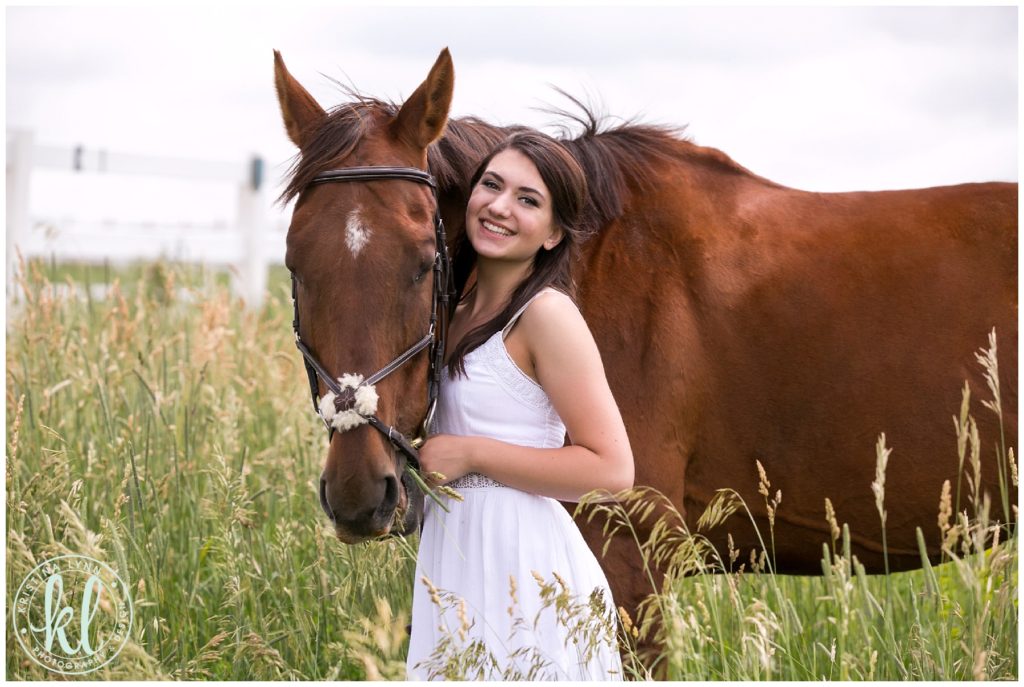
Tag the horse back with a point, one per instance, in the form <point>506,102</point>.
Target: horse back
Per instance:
<point>746,322</point>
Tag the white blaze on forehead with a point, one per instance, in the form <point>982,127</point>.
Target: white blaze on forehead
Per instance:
<point>357,234</point>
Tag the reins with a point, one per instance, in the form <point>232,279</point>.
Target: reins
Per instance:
<point>344,396</point>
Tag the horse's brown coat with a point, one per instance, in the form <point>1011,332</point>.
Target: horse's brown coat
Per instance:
<point>738,320</point>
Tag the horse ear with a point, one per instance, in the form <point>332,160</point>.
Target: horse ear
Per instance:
<point>421,120</point>
<point>301,112</point>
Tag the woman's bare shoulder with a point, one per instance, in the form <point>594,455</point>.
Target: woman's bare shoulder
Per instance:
<point>554,319</point>
<point>551,306</point>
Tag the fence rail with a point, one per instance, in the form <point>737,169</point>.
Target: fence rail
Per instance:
<point>249,262</point>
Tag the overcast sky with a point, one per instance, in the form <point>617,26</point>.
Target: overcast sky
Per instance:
<point>824,99</point>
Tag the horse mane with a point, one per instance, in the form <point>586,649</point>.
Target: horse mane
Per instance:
<point>614,157</point>
<point>617,160</point>
<point>336,137</point>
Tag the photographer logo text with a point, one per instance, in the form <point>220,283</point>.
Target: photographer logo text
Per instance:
<point>72,614</point>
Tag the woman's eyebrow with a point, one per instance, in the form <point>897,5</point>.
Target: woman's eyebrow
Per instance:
<point>521,188</point>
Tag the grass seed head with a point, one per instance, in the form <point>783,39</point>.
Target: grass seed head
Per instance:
<point>989,360</point>
<point>1013,466</point>
<point>945,508</point>
<point>878,485</point>
<point>762,480</point>
<point>830,517</point>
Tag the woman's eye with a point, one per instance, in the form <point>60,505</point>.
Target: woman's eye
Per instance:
<point>487,183</point>
<point>530,200</point>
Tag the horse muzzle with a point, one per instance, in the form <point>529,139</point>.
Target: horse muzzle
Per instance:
<point>398,511</point>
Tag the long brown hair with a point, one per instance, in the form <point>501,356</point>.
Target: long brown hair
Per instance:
<point>567,184</point>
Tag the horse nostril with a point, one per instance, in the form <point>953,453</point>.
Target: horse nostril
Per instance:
<point>390,501</point>
<point>323,500</point>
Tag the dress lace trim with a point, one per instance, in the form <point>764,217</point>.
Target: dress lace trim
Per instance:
<point>474,480</point>
<point>516,382</point>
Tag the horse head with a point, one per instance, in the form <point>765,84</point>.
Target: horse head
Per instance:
<point>362,256</point>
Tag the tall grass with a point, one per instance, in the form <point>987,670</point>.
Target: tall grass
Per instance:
<point>954,621</point>
<point>165,430</point>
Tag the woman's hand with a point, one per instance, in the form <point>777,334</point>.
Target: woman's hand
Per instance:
<point>448,455</point>
<point>554,337</point>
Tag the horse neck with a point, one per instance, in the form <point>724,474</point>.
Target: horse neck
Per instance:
<point>693,194</point>
<point>690,210</point>
<point>715,168</point>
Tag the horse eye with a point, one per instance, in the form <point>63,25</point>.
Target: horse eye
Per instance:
<point>424,268</point>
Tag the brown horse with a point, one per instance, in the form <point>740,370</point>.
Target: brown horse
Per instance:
<point>739,320</point>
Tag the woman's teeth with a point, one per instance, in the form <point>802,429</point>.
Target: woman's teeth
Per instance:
<point>495,229</point>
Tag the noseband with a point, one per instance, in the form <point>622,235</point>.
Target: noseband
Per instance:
<point>434,340</point>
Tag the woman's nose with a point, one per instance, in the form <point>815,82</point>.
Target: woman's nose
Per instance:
<point>499,206</point>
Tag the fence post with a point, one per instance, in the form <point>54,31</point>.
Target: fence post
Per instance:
<point>251,275</point>
<point>19,174</point>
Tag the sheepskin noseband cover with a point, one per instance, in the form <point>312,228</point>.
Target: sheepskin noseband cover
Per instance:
<point>358,402</point>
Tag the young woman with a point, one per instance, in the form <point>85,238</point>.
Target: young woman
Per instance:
<point>523,372</point>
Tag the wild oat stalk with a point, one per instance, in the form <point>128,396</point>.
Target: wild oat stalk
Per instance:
<point>545,606</point>
<point>989,360</point>
<point>833,525</point>
<point>771,506</point>
<point>432,492</point>
<point>378,643</point>
<point>878,488</point>
<point>962,426</point>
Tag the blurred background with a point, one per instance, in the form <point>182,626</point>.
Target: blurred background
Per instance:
<point>137,133</point>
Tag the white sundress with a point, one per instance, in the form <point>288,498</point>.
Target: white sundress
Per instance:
<point>469,553</point>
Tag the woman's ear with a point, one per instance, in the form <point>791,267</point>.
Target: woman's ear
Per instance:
<point>556,238</point>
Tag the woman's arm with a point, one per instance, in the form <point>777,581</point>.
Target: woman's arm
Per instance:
<point>568,367</point>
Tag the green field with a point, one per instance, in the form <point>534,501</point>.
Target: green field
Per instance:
<point>165,430</point>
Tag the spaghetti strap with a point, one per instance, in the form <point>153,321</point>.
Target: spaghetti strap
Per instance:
<point>515,317</point>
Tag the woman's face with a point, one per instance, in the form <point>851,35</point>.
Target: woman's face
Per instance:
<point>509,216</point>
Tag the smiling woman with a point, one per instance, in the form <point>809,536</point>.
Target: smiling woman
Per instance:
<point>525,416</point>
<point>499,203</point>
<point>516,220</point>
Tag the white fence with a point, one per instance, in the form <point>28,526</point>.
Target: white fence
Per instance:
<point>247,244</point>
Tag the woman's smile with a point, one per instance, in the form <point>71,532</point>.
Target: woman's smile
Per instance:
<point>496,229</point>
<point>509,211</point>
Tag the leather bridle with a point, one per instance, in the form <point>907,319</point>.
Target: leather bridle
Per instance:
<point>434,340</point>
